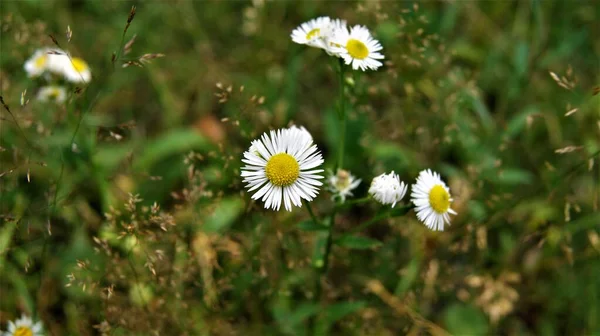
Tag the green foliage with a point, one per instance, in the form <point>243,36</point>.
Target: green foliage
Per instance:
<point>122,211</point>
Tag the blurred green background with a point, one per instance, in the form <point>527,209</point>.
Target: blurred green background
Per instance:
<point>123,212</point>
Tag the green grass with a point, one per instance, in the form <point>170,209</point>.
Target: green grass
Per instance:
<point>466,90</point>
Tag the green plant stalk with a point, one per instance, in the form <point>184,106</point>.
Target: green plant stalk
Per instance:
<point>322,269</point>
<point>342,115</point>
<point>311,213</point>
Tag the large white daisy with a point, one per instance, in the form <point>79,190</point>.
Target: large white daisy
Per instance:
<point>46,59</point>
<point>388,189</point>
<point>281,165</point>
<point>312,32</point>
<point>342,184</point>
<point>76,70</point>
<point>431,198</point>
<point>24,327</point>
<point>357,47</point>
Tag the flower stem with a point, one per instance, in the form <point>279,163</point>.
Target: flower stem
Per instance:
<point>342,115</point>
<point>386,214</point>
<point>353,202</point>
<point>310,212</point>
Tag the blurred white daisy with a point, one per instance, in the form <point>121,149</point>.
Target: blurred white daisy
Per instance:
<point>432,200</point>
<point>388,189</point>
<point>312,32</point>
<point>342,184</point>
<point>357,47</point>
<point>281,165</point>
<point>76,70</point>
<point>53,93</point>
<point>24,327</point>
<point>46,59</point>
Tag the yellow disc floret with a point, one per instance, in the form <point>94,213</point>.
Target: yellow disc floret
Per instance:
<point>357,49</point>
<point>23,331</point>
<point>79,65</point>
<point>439,199</point>
<point>313,33</point>
<point>40,61</point>
<point>282,169</point>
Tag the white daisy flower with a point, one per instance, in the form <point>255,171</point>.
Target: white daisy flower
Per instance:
<point>24,327</point>
<point>311,33</point>
<point>432,200</point>
<point>53,93</point>
<point>76,70</point>
<point>47,59</point>
<point>342,184</point>
<point>388,189</point>
<point>357,47</point>
<point>334,26</point>
<point>281,165</point>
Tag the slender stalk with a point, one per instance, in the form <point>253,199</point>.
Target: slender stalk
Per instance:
<point>383,215</point>
<point>310,212</point>
<point>353,202</point>
<point>342,115</point>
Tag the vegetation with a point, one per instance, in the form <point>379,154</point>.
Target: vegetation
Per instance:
<point>123,210</point>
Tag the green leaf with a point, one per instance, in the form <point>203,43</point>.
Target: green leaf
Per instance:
<point>6,234</point>
<point>408,277</point>
<point>318,259</point>
<point>310,225</point>
<point>224,215</point>
<point>358,242</point>
<point>174,142</point>
<point>512,176</point>
<point>462,319</point>
<point>335,312</point>
<point>400,211</point>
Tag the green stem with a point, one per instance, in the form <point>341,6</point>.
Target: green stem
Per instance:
<point>342,115</point>
<point>310,212</point>
<point>386,214</point>
<point>353,202</point>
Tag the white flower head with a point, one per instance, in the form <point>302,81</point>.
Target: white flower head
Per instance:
<point>342,184</point>
<point>357,47</point>
<point>76,70</point>
<point>24,327</point>
<point>281,165</point>
<point>44,60</point>
<point>388,189</point>
<point>53,93</point>
<point>432,199</point>
<point>312,32</point>
<point>303,132</point>
<point>334,26</point>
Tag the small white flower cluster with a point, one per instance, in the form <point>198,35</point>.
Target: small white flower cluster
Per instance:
<point>53,65</point>
<point>355,46</point>
<point>23,326</point>
<point>430,195</point>
<point>388,189</point>
<point>341,184</point>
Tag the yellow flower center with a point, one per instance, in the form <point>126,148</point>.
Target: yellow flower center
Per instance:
<point>54,94</point>
<point>282,169</point>
<point>439,199</point>
<point>313,33</point>
<point>343,180</point>
<point>357,49</point>
<point>78,64</point>
<point>23,331</point>
<point>40,61</point>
